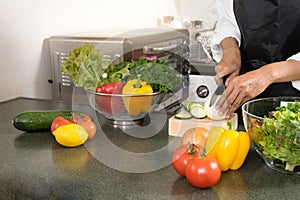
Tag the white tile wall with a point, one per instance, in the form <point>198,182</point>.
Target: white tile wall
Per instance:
<point>25,25</point>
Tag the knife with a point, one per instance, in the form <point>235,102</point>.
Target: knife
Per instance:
<point>219,91</point>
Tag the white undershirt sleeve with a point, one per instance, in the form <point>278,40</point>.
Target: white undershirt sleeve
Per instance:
<point>226,27</point>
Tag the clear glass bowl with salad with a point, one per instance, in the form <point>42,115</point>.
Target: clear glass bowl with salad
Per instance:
<point>274,128</point>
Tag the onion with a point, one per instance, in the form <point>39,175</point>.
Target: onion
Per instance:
<point>212,112</point>
<point>197,136</point>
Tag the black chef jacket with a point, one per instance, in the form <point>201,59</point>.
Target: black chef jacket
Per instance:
<point>270,32</point>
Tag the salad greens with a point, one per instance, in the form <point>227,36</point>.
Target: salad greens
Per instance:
<point>85,66</point>
<point>87,69</point>
<point>154,72</point>
<point>281,139</point>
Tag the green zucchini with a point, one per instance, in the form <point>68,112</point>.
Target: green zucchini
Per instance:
<point>33,121</point>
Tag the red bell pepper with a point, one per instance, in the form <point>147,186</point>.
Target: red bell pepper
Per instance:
<point>110,104</point>
<point>111,88</point>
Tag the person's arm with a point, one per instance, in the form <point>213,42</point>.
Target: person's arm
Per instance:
<point>247,86</point>
<point>230,63</point>
<point>284,71</point>
<point>226,27</point>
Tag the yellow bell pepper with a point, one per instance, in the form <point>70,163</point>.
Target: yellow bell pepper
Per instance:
<point>231,149</point>
<point>137,104</point>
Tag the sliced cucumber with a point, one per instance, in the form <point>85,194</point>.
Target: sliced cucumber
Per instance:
<point>192,109</point>
<point>198,112</point>
<point>195,104</point>
<point>186,104</point>
<point>183,115</point>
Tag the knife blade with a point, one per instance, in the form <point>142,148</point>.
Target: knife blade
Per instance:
<point>219,91</point>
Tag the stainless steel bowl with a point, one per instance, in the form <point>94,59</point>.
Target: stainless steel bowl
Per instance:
<point>120,109</point>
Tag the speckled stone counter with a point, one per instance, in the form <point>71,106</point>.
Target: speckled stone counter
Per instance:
<point>119,163</point>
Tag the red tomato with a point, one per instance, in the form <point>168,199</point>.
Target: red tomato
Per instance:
<point>203,172</point>
<point>86,122</point>
<point>76,118</point>
<point>181,157</point>
<point>90,128</point>
<point>59,121</point>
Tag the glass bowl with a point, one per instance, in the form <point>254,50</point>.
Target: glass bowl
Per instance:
<point>121,109</point>
<point>274,141</point>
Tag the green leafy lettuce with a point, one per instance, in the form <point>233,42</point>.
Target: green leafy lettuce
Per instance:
<point>88,70</point>
<point>85,66</point>
<point>281,140</point>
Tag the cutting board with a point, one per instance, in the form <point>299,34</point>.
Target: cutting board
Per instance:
<point>177,127</point>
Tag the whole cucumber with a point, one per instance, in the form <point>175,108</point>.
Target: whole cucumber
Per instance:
<point>33,121</point>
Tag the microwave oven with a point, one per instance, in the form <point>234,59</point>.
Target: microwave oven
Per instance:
<point>168,44</point>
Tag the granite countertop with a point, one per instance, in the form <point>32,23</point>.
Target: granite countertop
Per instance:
<point>119,163</point>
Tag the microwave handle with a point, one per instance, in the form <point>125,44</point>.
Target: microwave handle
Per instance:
<point>154,50</point>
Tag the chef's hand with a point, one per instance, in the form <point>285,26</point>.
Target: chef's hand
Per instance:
<point>230,64</point>
<point>241,89</point>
